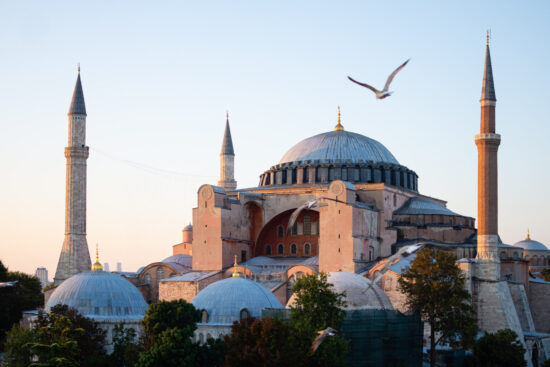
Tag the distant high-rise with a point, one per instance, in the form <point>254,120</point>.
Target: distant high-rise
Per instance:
<point>74,257</point>
<point>106,267</point>
<point>42,274</point>
<point>119,267</point>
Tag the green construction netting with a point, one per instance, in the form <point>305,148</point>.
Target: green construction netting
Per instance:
<point>377,337</point>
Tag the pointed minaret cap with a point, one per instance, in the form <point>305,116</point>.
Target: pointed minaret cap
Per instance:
<point>488,86</point>
<point>97,265</point>
<point>227,145</point>
<point>77,103</point>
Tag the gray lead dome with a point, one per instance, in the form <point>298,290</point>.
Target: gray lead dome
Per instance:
<point>339,146</point>
<point>100,295</point>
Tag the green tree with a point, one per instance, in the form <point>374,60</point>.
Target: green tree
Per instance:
<point>500,349</point>
<point>126,347</point>
<point>169,328</point>
<point>56,344</point>
<point>268,342</point>
<point>62,337</point>
<point>164,316</point>
<point>317,307</point>
<point>546,274</point>
<point>17,351</point>
<point>435,287</point>
<point>25,295</point>
<point>91,342</point>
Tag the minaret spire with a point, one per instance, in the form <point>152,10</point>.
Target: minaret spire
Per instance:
<point>487,142</point>
<point>75,257</point>
<point>227,160</point>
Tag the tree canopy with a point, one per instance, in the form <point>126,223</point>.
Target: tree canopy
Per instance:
<point>25,295</point>
<point>268,342</point>
<point>500,349</point>
<point>169,328</point>
<point>435,287</point>
<point>317,307</point>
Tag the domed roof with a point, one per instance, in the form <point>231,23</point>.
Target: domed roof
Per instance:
<point>355,286</point>
<point>181,259</point>
<point>224,300</point>
<point>339,146</point>
<point>529,244</point>
<point>100,295</point>
<point>188,227</point>
<point>416,206</point>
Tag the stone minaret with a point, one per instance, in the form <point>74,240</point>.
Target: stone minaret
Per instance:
<point>487,142</point>
<point>74,256</point>
<point>227,161</point>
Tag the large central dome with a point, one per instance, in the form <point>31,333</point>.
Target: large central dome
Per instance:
<point>339,146</point>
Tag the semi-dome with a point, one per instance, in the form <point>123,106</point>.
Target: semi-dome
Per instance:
<point>180,259</point>
<point>339,146</point>
<point>529,244</point>
<point>100,295</point>
<point>224,300</point>
<point>357,295</point>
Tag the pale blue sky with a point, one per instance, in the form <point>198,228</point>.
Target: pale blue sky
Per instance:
<point>159,76</point>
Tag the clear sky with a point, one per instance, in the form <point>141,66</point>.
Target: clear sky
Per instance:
<point>159,76</point>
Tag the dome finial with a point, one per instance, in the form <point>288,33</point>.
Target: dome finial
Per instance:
<point>488,36</point>
<point>235,273</point>
<point>97,265</point>
<point>339,126</point>
<point>528,236</point>
<point>78,68</point>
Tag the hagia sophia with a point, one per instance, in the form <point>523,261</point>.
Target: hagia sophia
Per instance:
<point>240,255</point>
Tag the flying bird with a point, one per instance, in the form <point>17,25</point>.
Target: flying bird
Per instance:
<point>319,339</point>
<point>381,94</point>
<point>307,205</point>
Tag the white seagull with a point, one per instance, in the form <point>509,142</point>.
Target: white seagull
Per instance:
<point>381,94</point>
<point>319,339</point>
<point>307,205</point>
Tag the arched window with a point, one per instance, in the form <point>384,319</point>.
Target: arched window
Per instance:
<point>147,278</point>
<point>268,249</point>
<point>160,274</point>
<point>280,231</point>
<point>208,336</point>
<point>503,255</point>
<point>280,249</point>
<point>204,316</point>
<point>307,248</point>
<point>201,338</point>
<point>307,225</point>
<point>293,249</point>
<point>516,255</point>
<point>244,314</point>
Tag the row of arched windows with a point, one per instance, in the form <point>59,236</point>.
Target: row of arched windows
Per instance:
<point>533,261</point>
<point>293,249</point>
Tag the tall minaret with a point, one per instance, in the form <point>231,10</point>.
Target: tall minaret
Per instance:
<point>74,256</point>
<point>487,142</point>
<point>227,160</point>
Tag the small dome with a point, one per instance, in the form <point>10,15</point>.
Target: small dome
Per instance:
<point>181,259</point>
<point>100,295</point>
<point>339,146</point>
<point>224,300</point>
<point>416,206</point>
<point>355,286</point>
<point>529,244</point>
<point>188,228</point>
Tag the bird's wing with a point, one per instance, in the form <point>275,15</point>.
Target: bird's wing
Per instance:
<point>294,216</point>
<point>317,342</point>
<point>364,85</point>
<point>392,75</point>
<point>312,203</point>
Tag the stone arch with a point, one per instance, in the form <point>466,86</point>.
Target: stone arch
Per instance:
<point>300,269</point>
<point>255,217</point>
<point>244,314</point>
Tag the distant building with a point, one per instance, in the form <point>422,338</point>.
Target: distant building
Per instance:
<point>106,267</point>
<point>42,274</point>
<point>119,267</point>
